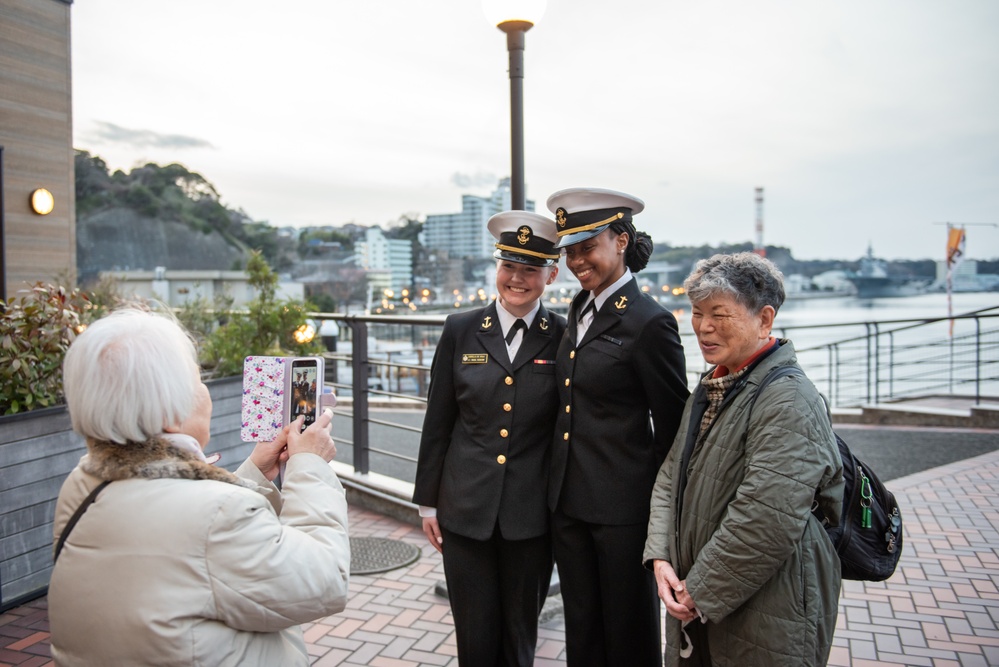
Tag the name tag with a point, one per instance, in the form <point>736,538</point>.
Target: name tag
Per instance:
<point>474,358</point>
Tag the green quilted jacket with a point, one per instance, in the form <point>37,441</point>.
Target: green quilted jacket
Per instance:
<point>756,561</point>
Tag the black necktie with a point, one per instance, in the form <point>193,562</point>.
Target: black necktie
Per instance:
<point>591,308</point>
<point>519,324</point>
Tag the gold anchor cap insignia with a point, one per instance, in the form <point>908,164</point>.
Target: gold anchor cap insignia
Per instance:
<point>620,304</point>
<point>524,235</point>
<point>544,324</point>
<point>488,322</point>
<point>560,216</point>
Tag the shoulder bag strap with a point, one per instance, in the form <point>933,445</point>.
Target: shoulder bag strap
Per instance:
<point>76,517</point>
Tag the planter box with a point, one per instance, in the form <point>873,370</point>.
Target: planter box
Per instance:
<point>37,450</point>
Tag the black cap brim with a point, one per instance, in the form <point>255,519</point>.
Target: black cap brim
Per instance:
<point>578,237</point>
<point>522,259</point>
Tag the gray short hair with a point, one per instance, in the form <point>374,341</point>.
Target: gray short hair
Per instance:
<point>754,281</point>
<point>129,375</point>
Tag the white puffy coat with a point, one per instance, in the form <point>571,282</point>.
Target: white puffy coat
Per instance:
<point>176,563</point>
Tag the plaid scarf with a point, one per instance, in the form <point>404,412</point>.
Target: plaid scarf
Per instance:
<point>716,388</point>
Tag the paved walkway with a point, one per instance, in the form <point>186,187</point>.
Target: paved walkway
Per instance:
<point>941,608</point>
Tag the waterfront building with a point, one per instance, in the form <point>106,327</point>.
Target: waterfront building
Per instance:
<point>37,193</point>
<point>178,287</point>
<point>965,278</point>
<point>464,235</point>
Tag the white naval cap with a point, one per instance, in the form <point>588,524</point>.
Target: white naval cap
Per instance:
<point>525,237</point>
<point>582,213</point>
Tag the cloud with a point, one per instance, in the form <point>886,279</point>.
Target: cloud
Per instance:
<point>105,132</point>
<point>478,179</point>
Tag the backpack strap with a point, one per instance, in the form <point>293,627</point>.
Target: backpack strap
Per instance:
<point>76,517</point>
<point>785,371</point>
<point>774,374</point>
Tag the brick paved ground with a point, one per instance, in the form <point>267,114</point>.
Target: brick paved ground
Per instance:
<point>940,609</point>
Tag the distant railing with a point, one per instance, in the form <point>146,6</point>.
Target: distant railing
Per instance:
<point>897,359</point>
<point>853,363</point>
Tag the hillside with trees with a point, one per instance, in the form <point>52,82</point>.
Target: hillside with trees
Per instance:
<point>162,216</point>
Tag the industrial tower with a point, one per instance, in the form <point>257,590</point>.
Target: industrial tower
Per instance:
<point>758,246</point>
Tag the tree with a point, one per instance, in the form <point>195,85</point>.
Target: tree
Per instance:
<point>267,327</point>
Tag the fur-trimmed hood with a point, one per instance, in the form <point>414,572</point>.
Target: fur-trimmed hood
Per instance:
<point>153,459</point>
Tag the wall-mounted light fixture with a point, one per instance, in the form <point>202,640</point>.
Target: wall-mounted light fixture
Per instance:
<point>42,201</point>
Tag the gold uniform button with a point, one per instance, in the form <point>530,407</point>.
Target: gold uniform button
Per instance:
<point>508,380</point>
<point>565,436</point>
<point>504,433</point>
<point>572,355</point>
<point>507,407</point>
<point>568,409</point>
<point>501,459</point>
<point>567,382</point>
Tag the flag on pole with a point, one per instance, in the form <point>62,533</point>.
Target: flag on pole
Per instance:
<point>955,246</point>
<point>955,253</point>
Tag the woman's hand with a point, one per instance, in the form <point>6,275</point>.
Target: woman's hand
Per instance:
<point>268,456</point>
<point>673,592</point>
<point>313,440</point>
<point>432,530</point>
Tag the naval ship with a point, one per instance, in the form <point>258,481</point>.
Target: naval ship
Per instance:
<point>872,280</point>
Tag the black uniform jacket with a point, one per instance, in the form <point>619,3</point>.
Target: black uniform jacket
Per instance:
<point>630,365</point>
<point>487,434</point>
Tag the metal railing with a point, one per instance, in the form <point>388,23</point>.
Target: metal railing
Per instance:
<point>388,365</point>
<point>898,359</point>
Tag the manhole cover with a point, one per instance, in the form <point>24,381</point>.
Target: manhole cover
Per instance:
<point>378,554</point>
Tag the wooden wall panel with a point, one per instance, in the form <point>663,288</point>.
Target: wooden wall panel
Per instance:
<point>36,133</point>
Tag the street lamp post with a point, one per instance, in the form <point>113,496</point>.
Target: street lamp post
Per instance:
<point>515,18</point>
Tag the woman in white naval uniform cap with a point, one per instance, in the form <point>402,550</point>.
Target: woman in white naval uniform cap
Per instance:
<point>622,385</point>
<point>482,474</point>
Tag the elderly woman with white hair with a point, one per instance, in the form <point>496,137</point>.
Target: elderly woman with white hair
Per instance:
<point>746,571</point>
<point>176,561</point>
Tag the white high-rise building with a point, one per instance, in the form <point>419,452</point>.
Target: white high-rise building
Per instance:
<point>389,260</point>
<point>464,234</point>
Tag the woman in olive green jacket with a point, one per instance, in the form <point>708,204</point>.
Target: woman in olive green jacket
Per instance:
<point>747,573</point>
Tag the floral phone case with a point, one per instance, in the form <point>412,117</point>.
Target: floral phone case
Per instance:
<point>264,390</point>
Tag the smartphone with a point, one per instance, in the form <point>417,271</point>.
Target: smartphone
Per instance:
<point>306,378</point>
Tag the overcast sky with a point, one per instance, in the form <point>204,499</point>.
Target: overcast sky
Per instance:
<point>865,121</point>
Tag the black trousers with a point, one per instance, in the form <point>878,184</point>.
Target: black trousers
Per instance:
<point>612,616</point>
<point>497,588</point>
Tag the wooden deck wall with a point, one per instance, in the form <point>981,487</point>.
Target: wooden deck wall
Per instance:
<point>36,133</point>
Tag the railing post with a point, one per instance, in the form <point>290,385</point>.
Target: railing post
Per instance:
<point>421,376</point>
<point>891,364</point>
<point>829,374</point>
<point>877,363</point>
<point>867,378</point>
<point>978,361</point>
<point>359,364</point>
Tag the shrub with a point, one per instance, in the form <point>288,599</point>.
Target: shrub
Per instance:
<point>268,326</point>
<point>36,329</point>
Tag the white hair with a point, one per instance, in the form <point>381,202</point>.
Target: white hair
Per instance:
<point>129,375</point>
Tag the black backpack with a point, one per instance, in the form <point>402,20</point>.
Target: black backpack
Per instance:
<point>869,536</point>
